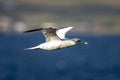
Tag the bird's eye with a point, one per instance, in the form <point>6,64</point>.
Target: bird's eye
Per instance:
<point>78,41</point>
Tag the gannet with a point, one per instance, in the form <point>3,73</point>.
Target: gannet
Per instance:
<point>55,39</point>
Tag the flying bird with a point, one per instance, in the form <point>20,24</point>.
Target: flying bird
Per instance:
<point>55,39</point>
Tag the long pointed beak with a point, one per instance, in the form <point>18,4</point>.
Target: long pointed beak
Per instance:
<point>83,42</point>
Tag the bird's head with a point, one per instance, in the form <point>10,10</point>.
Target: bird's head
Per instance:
<point>78,41</point>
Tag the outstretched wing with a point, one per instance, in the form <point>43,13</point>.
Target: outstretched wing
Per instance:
<point>34,30</point>
<point>61,32</point>
<point>49,33</point>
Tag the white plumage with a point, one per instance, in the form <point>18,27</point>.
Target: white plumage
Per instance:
<point>61,32</point>
<point>55,39</point>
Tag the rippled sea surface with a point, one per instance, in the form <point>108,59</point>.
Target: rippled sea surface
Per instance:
<point>99,60</point>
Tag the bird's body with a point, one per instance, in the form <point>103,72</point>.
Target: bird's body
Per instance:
<point>54,45</point>
<point>55,39</point>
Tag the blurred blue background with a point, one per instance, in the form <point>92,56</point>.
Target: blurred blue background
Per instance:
<point>99,60</point>
<point>97,22</point>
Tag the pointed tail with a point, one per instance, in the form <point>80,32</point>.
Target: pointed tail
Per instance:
<point>32,48</point>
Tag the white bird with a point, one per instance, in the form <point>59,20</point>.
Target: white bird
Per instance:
<point>55,39</point>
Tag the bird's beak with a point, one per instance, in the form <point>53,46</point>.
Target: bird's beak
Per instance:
<point>83,42</point>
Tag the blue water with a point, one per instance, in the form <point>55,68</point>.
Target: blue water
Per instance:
<point>99,60</point>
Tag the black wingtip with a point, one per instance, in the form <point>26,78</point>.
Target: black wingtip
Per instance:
<point>33,30</point>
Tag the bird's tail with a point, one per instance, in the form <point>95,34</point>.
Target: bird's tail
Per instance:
<point>32,48</point>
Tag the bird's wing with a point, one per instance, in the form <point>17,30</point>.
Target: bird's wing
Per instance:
<point>33,30</point>
<point>61,32</point>
<point>49,33</point>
